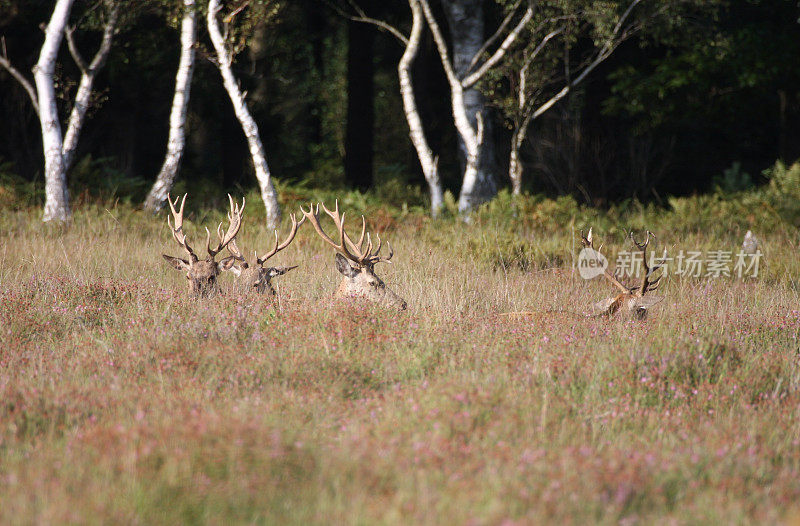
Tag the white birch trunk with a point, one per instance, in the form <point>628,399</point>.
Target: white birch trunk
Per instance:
<point>177,118</point>
<point>515,166</point>
<point>83,97</point>
<point>468,134</point>
<point>429,165</point>
<point>467,199</point>
<point>56,204</point>
<point>268,193</point>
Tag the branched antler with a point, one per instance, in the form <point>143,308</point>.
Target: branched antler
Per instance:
<point>177,229</point>
<point>647,284</point>
<point>358,253</point>
<point>289,238</point>
<point>234,224</point>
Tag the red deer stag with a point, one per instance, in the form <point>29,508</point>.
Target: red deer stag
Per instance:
<point>632,300</point>
<point>255,276</point>
<point>202,274</point>
<point>356,261</point>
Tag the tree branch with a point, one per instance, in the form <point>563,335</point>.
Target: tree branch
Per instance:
<point>441,44</point>
<point>84,94</point>
<point>495,36</point>
<point>108,33</point>
<point>73,50</point>
<point>25,83</point>
<point>498,55</point>
<point>523,72</point>
<point>382,25</point>
<point>603,54</point>
<point>363,18</point>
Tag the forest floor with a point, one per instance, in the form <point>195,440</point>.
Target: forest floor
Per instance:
<point>490,400</point>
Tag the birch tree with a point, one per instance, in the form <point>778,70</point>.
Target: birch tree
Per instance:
<point>471,127</point>
<point>224,58</point>
<point>547,68</point>
<point>177,118</point>
<point>59,152</point>
<point>565,42</point>
<point>428,162</point>
<point>476,187</point>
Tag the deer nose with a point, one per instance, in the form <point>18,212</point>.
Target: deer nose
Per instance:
<point>403,305</point>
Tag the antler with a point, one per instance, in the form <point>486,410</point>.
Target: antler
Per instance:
<point>234,224</point>
<point>177,230</point>
<point>277,248</point>
<point>236,253</point>
<point>647,285</point>
<point>373,257</point>
<point>356,252</point>
<point>587,242</point>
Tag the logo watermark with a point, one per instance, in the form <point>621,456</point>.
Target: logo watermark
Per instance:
<point>591,263</point>
<point>686,263</point>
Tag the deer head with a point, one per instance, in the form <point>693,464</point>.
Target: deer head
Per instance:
<point>632,300</point>
<point>253,275</point>
<point>202,274</point>
<point>356,261</point>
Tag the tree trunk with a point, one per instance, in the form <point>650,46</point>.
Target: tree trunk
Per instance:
<point>177,118</point>
<point>268,193</point>
<point>466,23</point>
<point>56,204</point>
<point>515,165</point>
<point>429,164</point>
<point>88,73</point>
<point>359,133</point>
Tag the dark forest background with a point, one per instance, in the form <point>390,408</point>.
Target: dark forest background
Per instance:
<point>674,116</point>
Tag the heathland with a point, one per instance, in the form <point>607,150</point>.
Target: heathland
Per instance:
<point>489,399</point>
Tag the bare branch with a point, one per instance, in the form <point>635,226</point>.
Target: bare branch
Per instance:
<point>26,84</point>
<point>613,42</point>
<point>486,45</point>
<point>363,18</point>
<point>382,25</point>
<point>441,43</point>
<point>523,72</point>
<point>83,96</point>
<point>229,18</point>
<point>498,55</point>
<point>73,49</point>
<point>108,33</point>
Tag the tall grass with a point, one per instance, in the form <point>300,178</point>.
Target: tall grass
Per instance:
<point>489,400</point>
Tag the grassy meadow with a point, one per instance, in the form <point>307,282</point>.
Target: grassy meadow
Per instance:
<point>489,401</point>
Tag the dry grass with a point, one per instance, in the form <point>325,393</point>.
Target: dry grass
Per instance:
<point>122,400</point>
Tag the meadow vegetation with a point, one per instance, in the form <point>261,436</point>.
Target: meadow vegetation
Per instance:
<point>489,400</point>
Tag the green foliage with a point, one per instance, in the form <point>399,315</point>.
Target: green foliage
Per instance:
<point>783,190</point>
<point>16,191</point>
<point>500,250</point>
<point>742,52</point>
<point>736,203</point>
<point>100,179</point>
<point>733,179</point>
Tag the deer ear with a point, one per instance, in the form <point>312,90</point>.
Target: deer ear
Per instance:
<point>226,263</point>
<point>344,267</point>
<point>178,263</point>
